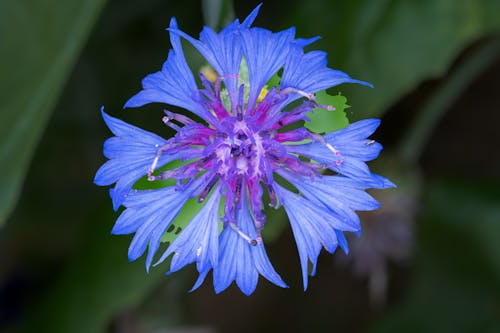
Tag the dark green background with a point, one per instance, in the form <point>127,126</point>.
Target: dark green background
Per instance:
<point>435,66</point>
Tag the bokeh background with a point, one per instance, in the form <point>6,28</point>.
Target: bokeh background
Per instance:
<point>427,261</point>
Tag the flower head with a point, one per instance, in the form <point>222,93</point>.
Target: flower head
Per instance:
<point>241,148</point>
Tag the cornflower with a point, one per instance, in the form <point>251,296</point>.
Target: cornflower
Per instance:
<point>242,139</point>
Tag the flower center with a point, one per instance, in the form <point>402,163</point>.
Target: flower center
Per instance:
<point>238,149</point>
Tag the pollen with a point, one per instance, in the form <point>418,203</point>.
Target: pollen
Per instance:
<point>262,95</point>
<point>209,73</point>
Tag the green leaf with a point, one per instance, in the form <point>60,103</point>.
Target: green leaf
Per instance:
<point>325,121</point>
<point>418,135</point>
<point>187,213</point>
<point>411,41</point>
<point>274,81</point>
<point>394,45</point>
<point>40,41</point>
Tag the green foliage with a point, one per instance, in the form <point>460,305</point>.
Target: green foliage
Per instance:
<point>187,213</point>
<point>324,121</point>
<point>394,45</point>
<point>274,81</point>
<point>40,41</point>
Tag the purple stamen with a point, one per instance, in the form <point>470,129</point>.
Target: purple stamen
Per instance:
<point>291,90</point>
<point>179,117</point>
<point>273,201</point>
<point>237,191</point>
<point>208,188</point>
<point>166,121</point>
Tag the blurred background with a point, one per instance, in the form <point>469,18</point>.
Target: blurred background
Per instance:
<point>427,261</point>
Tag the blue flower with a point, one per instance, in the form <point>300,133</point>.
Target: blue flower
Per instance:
<point>240,149</point>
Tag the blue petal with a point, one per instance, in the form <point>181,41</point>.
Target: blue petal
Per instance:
<point>258,252</point>
<point>174,84</point>
<point>149,213</point>
<point>303,42</point>
<point>356,131</point>
<point>125,183</point>
<point>247,276</point>
<point>354,197</point>
<point>337,193</point>
<point>265,54</point>
<point>330,203</point>
<point>380,182</point>
<point>241,262</point>
<point>308,247</point>
<point>200,280</point>
<point>251,17</point>
<point>120,128</point>
<point>198,242</point>
<point>308,72</point>
<point>222,51</point>
<point>313,227</point>
<point>353,146</point>
<point>130,220</point>
<point>342,241</point>
<point>131,153</point>
<point>228,252</point>
<point>343,164</point>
